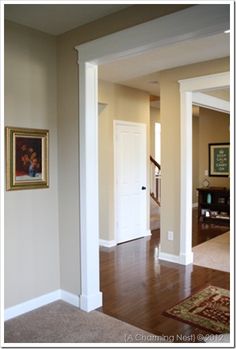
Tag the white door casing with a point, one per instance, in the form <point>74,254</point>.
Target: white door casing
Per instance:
<point>194,22</point>
<point>187,89</point>
<point>130,172</point>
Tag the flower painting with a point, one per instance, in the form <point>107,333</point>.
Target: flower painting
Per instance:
<point>27,158</point>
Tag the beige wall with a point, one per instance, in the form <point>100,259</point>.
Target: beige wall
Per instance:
<point>208,127</point>
<point>68,126</point>
<point>170,144</point>
<point>213,128</point>
<point>34,105</point>
<point>120,103</point>
<point>31,216</point>
<point>154,117</point>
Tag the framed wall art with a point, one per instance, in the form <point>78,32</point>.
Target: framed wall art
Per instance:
<point>26,158</point>
<point>219,157</point>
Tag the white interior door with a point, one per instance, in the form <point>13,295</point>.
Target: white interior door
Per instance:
<point>130,180</point>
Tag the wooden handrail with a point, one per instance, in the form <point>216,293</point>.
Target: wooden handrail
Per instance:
<point>155,163</point>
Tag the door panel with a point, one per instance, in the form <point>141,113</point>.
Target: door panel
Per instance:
<point>130,173</point>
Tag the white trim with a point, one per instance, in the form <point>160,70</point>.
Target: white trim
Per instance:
<point>89,203</point>
<point>206,101</point>
<point>194,22</point>
<point>186,174</point>
<point>107,243</point>
<point>35,303</point>
<point>195,204</point>
<point>187,87</point>
<point>148,232</point>
<point>70,298</point>
<point>205,82</point>
<point>32,304</point>
<point>91,302</point>
<point>190,23</point>
<point>181,259</point>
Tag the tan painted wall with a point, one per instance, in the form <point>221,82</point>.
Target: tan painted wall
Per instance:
<point>209,127</point>
<point>154,117</point>
<point>68,126</point>
<point>31,216</point>
<point>122,103</point>
<point>213,128</point>
<point>170,144</point>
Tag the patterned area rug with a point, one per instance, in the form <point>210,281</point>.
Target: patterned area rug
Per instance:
<point>207,309</point>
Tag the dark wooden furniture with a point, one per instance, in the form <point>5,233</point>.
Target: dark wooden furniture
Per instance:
<point>214,205</point>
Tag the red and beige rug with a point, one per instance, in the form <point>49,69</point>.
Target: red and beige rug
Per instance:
<point>208,309</point>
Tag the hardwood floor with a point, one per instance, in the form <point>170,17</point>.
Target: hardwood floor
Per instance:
<point>203,232</point>
<point>138,287</point>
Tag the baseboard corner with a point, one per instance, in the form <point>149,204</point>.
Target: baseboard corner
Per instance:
<point>70,298</point>
<point>107,243</point>
<point>90,302</point>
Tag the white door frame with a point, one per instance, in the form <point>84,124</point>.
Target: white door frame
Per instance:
<point>193,22</point>
<point>188,88</point>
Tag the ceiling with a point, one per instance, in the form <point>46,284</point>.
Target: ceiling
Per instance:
<point>142,71</point>
<point>223,93</point>
<point>57,19</point>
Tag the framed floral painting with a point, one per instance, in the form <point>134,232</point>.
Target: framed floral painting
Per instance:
<point>26,158</point>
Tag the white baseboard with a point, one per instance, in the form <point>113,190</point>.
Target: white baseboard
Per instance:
<point>38,302</point>
<point>179,259</point>
<point>70,298</point>
<point>169,257</point>
<point>195,204</point>
<point>107,243</point>
<point>32,304</point>
<point>91,302</point>
<point>186,259</point>
<point>148,232</point>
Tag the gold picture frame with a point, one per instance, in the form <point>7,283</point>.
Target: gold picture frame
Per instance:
<point>26,158</point>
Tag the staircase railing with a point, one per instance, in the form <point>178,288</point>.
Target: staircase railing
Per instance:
<point>155,180</point>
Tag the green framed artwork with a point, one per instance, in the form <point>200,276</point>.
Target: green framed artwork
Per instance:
<point>219,159</point>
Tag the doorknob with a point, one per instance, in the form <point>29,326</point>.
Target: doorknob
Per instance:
<point>143,188</point>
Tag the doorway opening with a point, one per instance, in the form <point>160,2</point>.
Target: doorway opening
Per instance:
<point>90,56</point>
<point>211,192</point>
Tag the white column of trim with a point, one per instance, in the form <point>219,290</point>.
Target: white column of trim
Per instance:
<point>187,87</point>
<point>91,297</point>
<point>186,255</point>
<point>206,101</point>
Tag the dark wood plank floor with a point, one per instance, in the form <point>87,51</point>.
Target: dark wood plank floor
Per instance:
<point>204,231</point>
<point>137,287</point>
